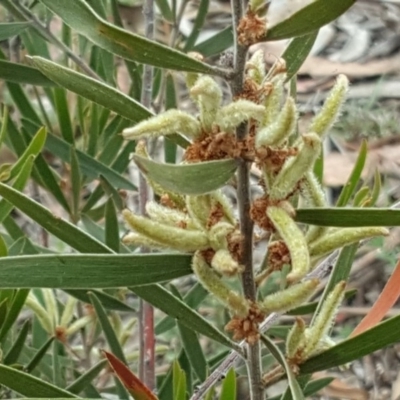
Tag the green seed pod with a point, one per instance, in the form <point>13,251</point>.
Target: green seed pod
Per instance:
<point>199,208</point>
<point>289,298</point>
<point>208,96</point>
<point>343,237</point>
<point>167,123</point>
<point>273,101</point>
<point>285,124</point>
<point>256,67</point>
<point>323,321</point>
<point>331,108</point>
<point>232,115</point>
<point>133,238</point>
<point>175,238</point>
<point>295,336</point>
<point>218,235</point>
<point>294,168</point>
<point>224,263</point>
<point>213,283</point>
<point>313,196</point>
<point>294,240</point>
<point>68,312</point>
<point>168,216</point>
<point>219,198</point>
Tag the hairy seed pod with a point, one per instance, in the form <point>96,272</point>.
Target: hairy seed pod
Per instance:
<point>295,336</point>
<point>232,115</point>
<point>225,264</point>
<point>168,123</point>
<point>272,102</point>
<point>289,298</point>
<point>207,94</point>
<point>323,321</point>
<point>168,216</point>
<point>343,237</point>
<point>199,208</point>
<point>213,283</point>
<point>218,235</point>
<point>331,108</point>
<point>175,238</point>
<point>294,240</point>
<point>294,168</point>
<point>256,67</point>
<point>285,124</point>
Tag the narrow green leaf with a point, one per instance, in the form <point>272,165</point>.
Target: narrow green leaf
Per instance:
<point>79,16</point>
<point>169,304</point>
<point>107,328</point>
<point>38,357</point>
<point>4,124</point>
<point>92,89</point>
<point>350,187</point>
<point>15,350</point>
<point>64,118</point>
<point>296,392</point>
<point>18,302</point>
<point>33,149</point>
<point>192,346</point>
<point>74,271</point>
<point>112,192</point>
<point>30,386</point>
<point>308,19</point>
<point>10,29</point>
<point>356,347</point>
<point>192,179</point>
<point>111,226</point>
<point>228,390</point>
<point>3,247</point>
<point>76,180</point>
<point>198,24</point>
<point>376,189</point>
<point>109,302</point>
<point>85,379</point>
<point>217,43</point>
<point>192,298</point>
<point>57,226</point>
<point>349,217</point>
<point>298,50</point>
<point>178,382</point>
<point>19,184</point>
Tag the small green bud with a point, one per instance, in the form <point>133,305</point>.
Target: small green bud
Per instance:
<point>167,123</point>
<point>225,264</point>
<point>323,321</point>
<point>256,66</point>
<point>276,133</point>
<point>294,168</point>
<point>294,240</point>
<point>213,283</point>
<point>289,298</point>
<point>343,237</point>
<point>331,108</point>
<point>208,96</point>
<point>175,238</point>
<point>232,115</point>
<point>295,337</point>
